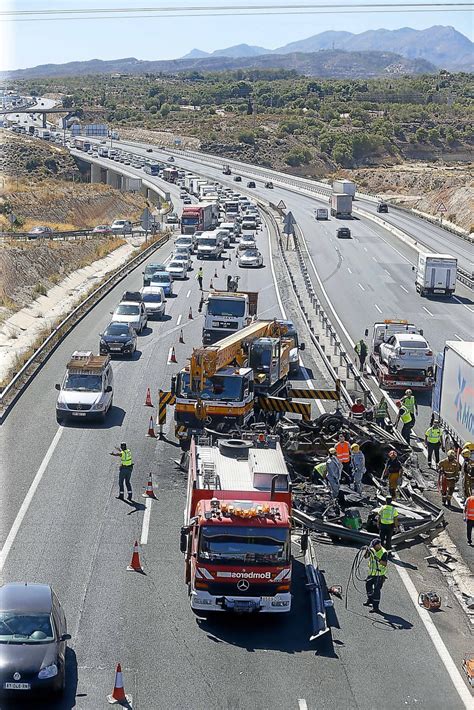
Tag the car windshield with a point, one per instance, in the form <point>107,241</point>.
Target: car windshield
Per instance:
<point>251,546</point>
<point>412,344</point>
<point>251,252</point>
<point>117,329</point>
<point>160,279</point>
<point>225,307</point>
<point>179,257</point>
<point>149,270</point>
<point>226,388</point>
<point>80,382</point>
<point>207,242</point>
<point>125,309</point>
<point>184,242</point>
<point>119,223</point>
<point>25,628</point>
<point>152,297</point>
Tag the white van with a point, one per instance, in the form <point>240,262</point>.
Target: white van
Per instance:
<point>210,245</point>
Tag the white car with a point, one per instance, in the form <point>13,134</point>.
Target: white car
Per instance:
<point>251,258</point>
<point>132,312</point>
<point>246,242</point>
<point>177,269</point>
<point>154,301</point>
<point>407,351</point>
<point>121,226</point>
<point>188,241</point>
<point>184,257</point>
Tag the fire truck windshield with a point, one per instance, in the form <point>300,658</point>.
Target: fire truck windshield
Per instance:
<point>227,388</point>
<point>253,546</point>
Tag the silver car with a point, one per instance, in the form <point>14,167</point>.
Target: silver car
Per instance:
<point>407,351</point>
<point>154,301</point>
<point>251,258</point>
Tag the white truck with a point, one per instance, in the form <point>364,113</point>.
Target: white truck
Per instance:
<point>340,204</point>
<point>102,151</point>
<point>453,392</point>
<point>228,312</point>
<point>436,274</point>
<point>344,187</point>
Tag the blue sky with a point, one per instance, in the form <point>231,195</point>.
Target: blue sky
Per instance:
<point>27,44</point>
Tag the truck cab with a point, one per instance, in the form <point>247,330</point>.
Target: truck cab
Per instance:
<point>86,391</point>
<point>227,312</point>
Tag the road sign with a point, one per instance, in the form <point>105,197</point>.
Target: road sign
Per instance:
<point>281,205</point>
<point>441,207</point>
<point>289,223</point>
<point>146,219</point>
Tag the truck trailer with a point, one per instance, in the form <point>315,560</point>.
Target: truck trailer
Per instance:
<point>198,217</point>
<point>341,205</point>
<point>344,187</point>
<point>237,533</point>
<point>453,393</point>
<point>436,274</point>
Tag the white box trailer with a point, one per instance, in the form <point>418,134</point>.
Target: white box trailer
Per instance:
<point>453,392</point>
<point>436,274</point>
<point>341,205</point>
<point>344,187</point>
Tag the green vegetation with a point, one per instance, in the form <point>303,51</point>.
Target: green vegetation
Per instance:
<point>282,118</point>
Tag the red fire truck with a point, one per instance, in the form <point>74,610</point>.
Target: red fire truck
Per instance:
<point>237,534</point>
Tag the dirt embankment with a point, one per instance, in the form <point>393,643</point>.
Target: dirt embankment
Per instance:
<point>28,270</point>
<point>424,187</point>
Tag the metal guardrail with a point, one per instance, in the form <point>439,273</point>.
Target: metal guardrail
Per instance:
<point>16,385</point>
<point>69,235</point>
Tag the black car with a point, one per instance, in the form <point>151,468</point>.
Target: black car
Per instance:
<point>382,207</point>
<point>237,178</point>
<point>149,150</point>
<point>251,183</point>
<point>170,159</point>
<point>343,233</point>
<point>33,640</point>
<point>118,339</point>
<point>269,185</point>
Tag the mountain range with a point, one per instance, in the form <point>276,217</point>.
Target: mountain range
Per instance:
<point>442,46</point>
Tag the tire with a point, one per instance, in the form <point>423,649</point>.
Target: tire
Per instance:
<point>235,448</point>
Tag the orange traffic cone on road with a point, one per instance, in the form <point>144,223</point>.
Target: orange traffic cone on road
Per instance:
<point>148,402</point>
<point>118,694</point>
<point>223,263</point>
<point>181,336</point>
<point>151,429</point>
<point>135,564</point>
<point>149,493</point>
<point>172,357</point>
<point>216,275</point>
<point>190,315</point>
<point>211,285</point>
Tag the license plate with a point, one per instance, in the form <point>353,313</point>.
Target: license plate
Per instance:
<point>115,347</point>
<point>78,414</point>
<point>438,290</point>
<point>17,686</point>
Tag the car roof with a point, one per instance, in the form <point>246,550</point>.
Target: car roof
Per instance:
<point>18,596</point>
<point>151,289</point>
<point>410,336</point>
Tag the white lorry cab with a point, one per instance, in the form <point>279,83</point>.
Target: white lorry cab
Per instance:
<point>86,391</point>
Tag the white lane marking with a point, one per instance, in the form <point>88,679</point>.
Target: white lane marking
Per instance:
<point>455,298</point>
<point>360,286</point>
<point>179,319</point>
<point>146,522</point>
<point>302,704</point>
<point>425,309</point>
<point>403,287</point>
<point>374,259</point>
<point>457,336</point>
<point>455,676</point>
<point>188,293</point>
<point>377,307</point>
<point>365,248</point>
<point>28,498</point>
<point>349,270</point>
<point>310,386</point>
<point>387,272</point>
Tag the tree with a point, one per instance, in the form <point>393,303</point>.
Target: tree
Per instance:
<point>421,135</point>
<point>165,110</point>
<point>246,137</point>
<point>297,157</point>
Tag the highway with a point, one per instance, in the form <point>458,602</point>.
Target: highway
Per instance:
<point>62,523</point>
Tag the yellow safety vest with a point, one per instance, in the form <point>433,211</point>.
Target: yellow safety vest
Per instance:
<point>409,403</point>
<point>321,469</point>
<point>433,435</point>
<point>387,514</point>
<point>126,457</point>
<point>406,417</point>
<point>375,568</point>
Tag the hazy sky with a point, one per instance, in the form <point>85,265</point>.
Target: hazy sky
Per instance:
<point>26,44</point>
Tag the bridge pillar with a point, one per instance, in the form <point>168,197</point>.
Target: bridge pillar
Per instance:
<point>95,173</point>
<point>114,179</point>
<point>44,120</point>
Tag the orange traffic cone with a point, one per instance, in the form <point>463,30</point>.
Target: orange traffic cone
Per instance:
<point>151,429</point>
<point>172,357</point>
<point>148,402</point>
<point>135,564</point>
<point>118,694</point>
<point>211,285</point>
<point>190,316</point>
<point>149,493</point>
<point>223,263</point>
<point>181,337</point>
<point>216,275</point>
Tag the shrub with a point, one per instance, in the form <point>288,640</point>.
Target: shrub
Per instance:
<point>246,137</point>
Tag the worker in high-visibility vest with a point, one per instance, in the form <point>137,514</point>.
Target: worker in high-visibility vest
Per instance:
<point>406,419</point>
<point>388,522</point>
<point>320,472</point>
<point>409,402</point>
<point>381,413</point>
<point>448,474</point>
<point>467,473</point>
<point>433,437</point>
<point>469,517</point>
<point>343,453</point>
<point>125,471</point>
<point>377,574</point>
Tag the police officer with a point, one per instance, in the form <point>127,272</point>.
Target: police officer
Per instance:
<point>433,441</point>
<point>200,276</point>
<point>126,468</point>
<point>388,521</point>
<point>377,574</point>
<point>409,402</point>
